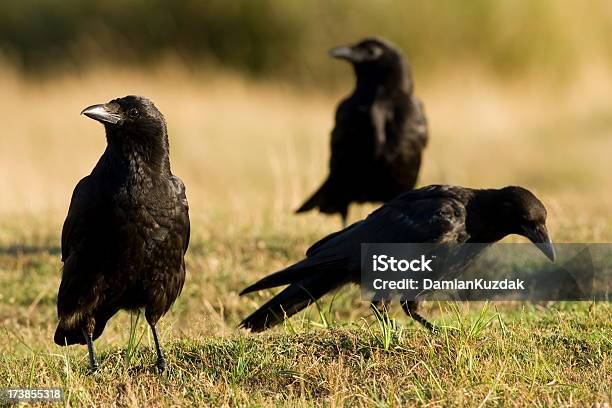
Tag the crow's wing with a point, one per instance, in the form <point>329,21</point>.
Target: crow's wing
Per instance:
<point>350,157</point>
<point>410,218</point>
<point>430,215</point>
<point>353,138</point>
<point>181,212</point>
<point>87,212</point>
<point>416,123</point>
<point>87,240</point>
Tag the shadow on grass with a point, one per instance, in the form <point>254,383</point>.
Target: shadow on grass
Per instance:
<point>15,250</point>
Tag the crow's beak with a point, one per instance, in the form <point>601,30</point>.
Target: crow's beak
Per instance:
<point>539,236</point>
<point>102,113</point>
<point>342,52</point>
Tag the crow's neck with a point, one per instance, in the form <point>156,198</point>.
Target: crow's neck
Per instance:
<point>138,160</point>
<point>485,223</point>
<point>376,82</point>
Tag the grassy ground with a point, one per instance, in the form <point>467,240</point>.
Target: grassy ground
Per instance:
<point>248,154</point>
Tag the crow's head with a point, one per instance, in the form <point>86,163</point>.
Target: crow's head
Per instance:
<point>134,124</point>
<point>375,60</point>
<point>367,51</point>
<point>522,213</point>
<point>130,113</point>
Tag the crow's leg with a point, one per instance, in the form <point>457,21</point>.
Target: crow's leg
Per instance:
<point>411,308</point>
<point>93,363</point>
<point>161,360</point>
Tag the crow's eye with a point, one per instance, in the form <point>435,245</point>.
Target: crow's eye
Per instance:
<point>375,52</point>
<point>133,113</point>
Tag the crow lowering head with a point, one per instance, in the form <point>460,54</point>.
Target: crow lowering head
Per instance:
<point>375,59</point>
<point>510,210</point>
<point>133,124</point>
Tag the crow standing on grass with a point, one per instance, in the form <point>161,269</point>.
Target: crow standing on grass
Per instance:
<point>127,229</point>
<point>379,135</point>
<point>434,214</point>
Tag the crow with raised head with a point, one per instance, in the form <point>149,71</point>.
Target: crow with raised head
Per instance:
<point>379,135</point>
<point>127,229</point>
<point>434,214</point>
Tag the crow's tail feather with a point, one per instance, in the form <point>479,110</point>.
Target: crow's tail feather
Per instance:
<point>293,274</point>
<point>66,335</point>
<point>313,202</point>
<point>291,300</point>
<point>326,199</point>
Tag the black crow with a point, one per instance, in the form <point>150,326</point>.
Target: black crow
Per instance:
<point>379,135</point>
<point>127,229</point>
<point>433,214</point>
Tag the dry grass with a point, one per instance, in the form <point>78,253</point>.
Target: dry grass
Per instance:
<point>244,148</point>
<point>248,154</point>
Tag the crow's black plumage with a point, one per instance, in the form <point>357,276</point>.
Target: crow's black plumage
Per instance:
<point>434,214</point>
<point>379,135</point>
<point>127,228</point>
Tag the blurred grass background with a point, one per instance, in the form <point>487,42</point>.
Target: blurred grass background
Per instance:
<point>516,92</point>
<point>285,38</point>
<point>249,92</point>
